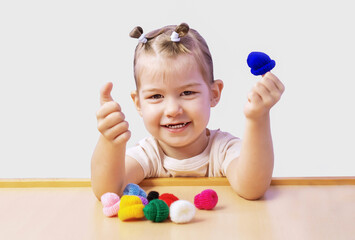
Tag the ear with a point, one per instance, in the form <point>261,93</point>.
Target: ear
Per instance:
<point>216,91</point>
<point>135,98</point>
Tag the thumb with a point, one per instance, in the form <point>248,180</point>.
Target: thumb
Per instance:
<point>105,93</point>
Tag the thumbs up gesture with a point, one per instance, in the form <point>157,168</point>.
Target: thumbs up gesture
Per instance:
<point>110,120</point>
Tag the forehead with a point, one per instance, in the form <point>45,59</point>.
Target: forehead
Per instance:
<point>163,70</point>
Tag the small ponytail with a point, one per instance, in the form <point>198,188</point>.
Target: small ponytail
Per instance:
<point>182,29</point>
<point>137,32</point>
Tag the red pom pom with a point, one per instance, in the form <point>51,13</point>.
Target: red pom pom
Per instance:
<point>168,198</point>
<point>207,199</point>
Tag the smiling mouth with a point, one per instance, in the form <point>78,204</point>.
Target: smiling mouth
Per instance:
<point>175,126</point>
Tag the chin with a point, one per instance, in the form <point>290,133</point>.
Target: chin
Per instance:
<point>177,143</point>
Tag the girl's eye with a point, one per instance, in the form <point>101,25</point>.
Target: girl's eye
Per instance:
<point>187,93</point>
<point>156,96</point>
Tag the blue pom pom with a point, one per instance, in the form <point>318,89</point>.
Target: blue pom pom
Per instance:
<point>134,189</point>
<point>260,63</point>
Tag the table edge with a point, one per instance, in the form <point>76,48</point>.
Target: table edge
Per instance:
<point>181,181</point>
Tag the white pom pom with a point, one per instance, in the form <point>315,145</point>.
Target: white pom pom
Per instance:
<point>182,211</point>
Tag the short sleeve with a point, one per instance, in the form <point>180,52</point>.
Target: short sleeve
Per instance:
<point>147,154</point>
<point>138,153</point>
<point>225,148</point>
<point>231,151</point>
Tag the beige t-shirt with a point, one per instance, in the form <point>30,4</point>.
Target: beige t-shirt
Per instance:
<point>222,148</point>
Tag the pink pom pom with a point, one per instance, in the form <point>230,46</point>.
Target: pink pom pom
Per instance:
<point>112,210</point>
<point>207,199</point>
<point>108,199</point>
<point>111,203</point>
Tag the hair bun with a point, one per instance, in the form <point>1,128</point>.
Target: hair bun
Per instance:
<point>136,32</point>
<point>182,29</point>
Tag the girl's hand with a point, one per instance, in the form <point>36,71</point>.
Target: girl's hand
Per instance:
<point>265,94</point>
<point>110,120</point>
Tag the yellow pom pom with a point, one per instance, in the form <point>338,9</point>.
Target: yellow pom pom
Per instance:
<point>131,207</point>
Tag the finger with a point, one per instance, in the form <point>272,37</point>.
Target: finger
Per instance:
<point>261,90</point>
<point>279,85</point>
<point>107,108</point>
<point>123,138</point>
<point>254,97</point>
<point>270,85</point>
<point>268,99</point>
<point>105,93</point>
<point>269,74</point>
<point>110,121</point>
<point>275,92</point>
<point>276,81</point>
<point>117,130</point>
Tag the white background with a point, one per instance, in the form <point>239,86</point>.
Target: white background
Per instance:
<point>56,55</point>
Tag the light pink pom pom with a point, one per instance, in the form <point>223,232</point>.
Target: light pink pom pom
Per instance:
<point>109,199</point>
<point>111,211</point>
<point>111,203</point>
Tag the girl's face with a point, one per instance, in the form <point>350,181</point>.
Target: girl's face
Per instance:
<point>175,101</point>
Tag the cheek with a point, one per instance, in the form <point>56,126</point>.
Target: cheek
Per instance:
<point>201,109</point>
<point>150,114</point>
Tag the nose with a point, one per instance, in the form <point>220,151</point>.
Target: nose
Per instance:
<point>172,107</point>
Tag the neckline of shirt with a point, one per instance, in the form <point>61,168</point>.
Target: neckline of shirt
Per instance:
<point>190,163</point>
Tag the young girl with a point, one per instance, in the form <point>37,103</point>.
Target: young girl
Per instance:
<point>175,90</point>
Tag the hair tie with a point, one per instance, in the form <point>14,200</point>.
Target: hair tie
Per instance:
<point>175,37</point>
<point>142,38</point>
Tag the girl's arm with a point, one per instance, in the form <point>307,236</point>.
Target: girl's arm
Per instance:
<point>110,170</point>
<point>108,167</point>
<point>250,174</point>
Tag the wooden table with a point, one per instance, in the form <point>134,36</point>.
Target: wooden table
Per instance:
<point>285,212</point>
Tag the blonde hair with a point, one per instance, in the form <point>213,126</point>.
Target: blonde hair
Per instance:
<point>159,43</point>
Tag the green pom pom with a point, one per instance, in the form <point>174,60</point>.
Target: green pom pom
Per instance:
<point>157,210</point>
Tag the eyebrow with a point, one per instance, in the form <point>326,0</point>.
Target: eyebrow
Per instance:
<point>184,86</point>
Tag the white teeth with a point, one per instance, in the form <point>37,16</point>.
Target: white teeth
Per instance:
<point>176,126</point>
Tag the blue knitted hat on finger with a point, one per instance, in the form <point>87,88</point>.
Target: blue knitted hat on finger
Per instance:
<point>260,63</point>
